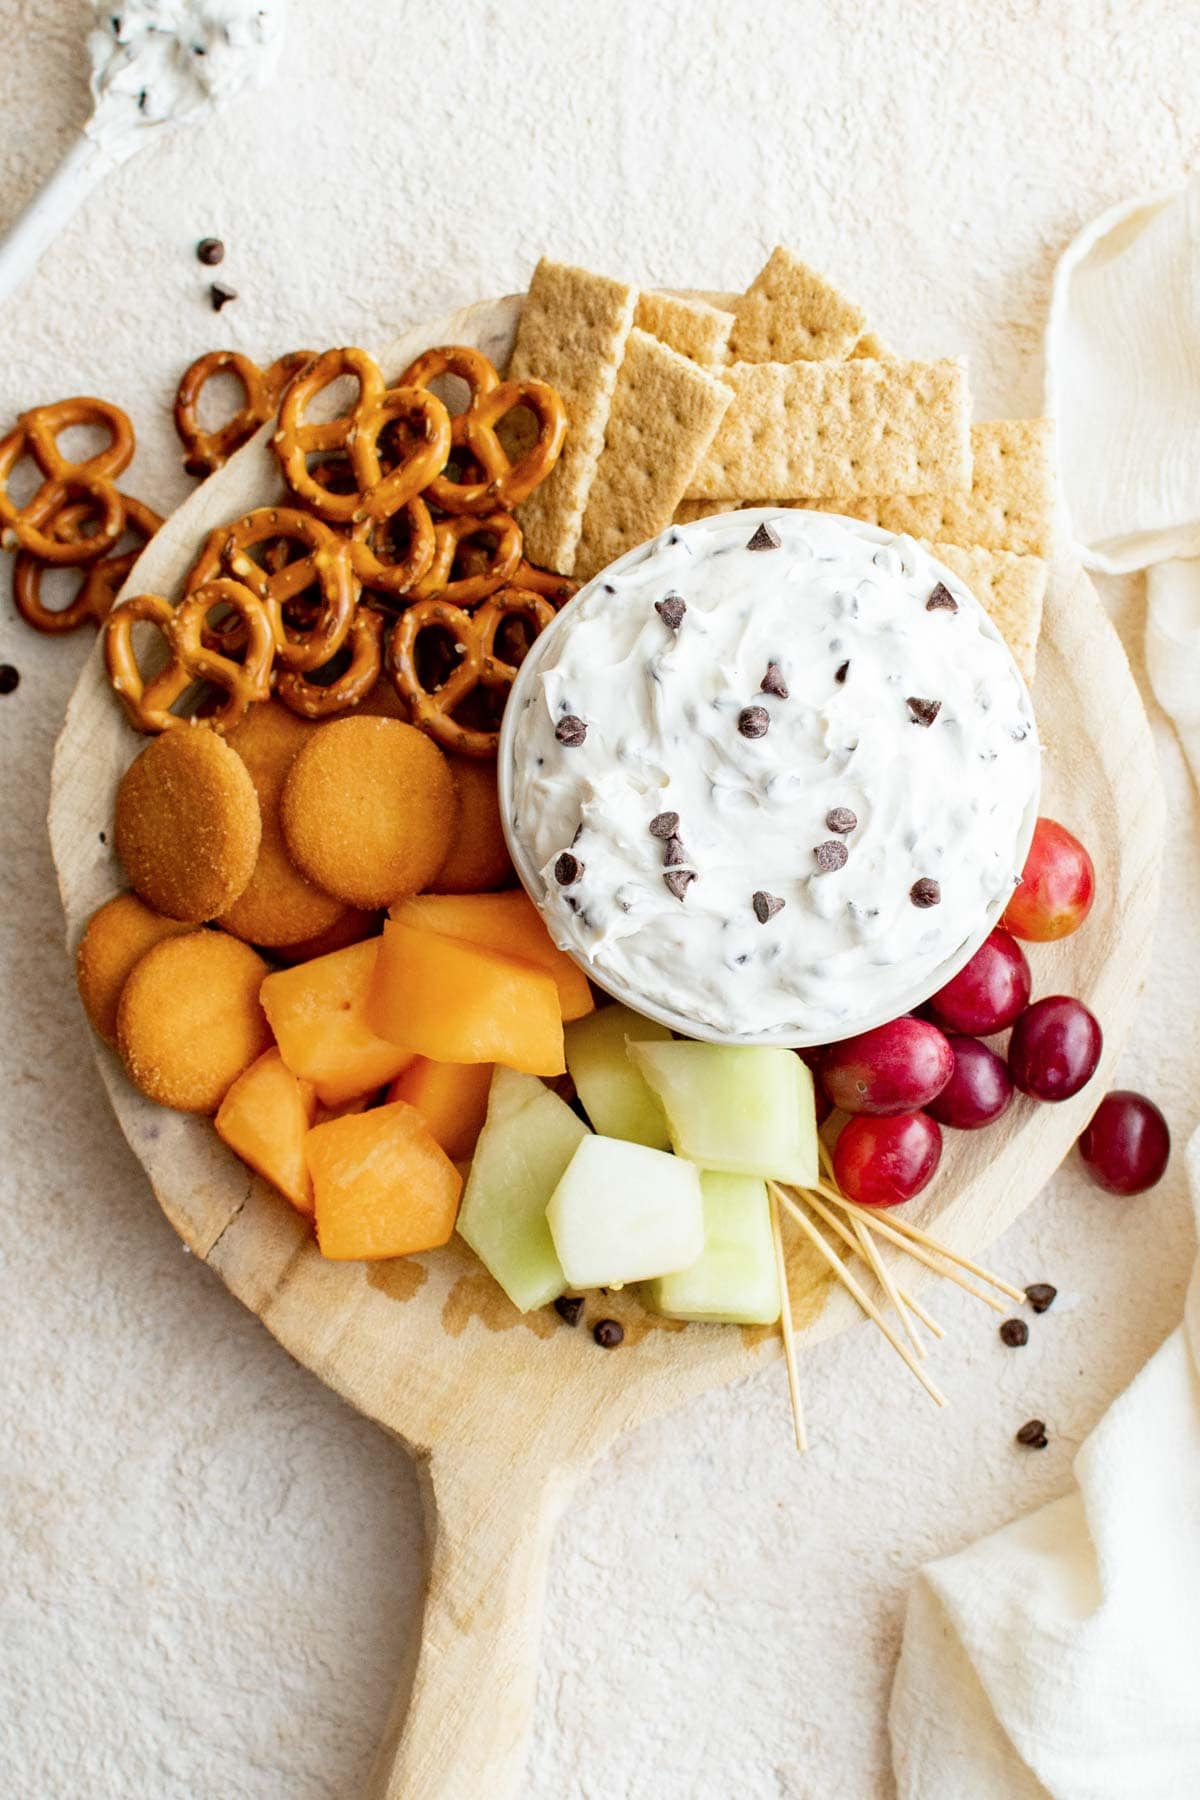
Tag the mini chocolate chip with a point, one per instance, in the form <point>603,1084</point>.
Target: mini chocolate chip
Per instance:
<point>211,251</point>
<point>198,467</point>
<point>220,295</point>
<point>773,682</point>
<point>570,730</point>
<point>104,837</point>
<point>10,678</point>
<point>766,906</point>
<point>664,825</point>
<point>1041,1296</point>
<point>671,611</point>
<point>1014,1333</point>
<point>753,721</point>
<point>676,854</point>
<point>923,712</point>
<point>567,869</point>
<point>679,881</point>
<point>830,856</point>
<point>1033,1434</point>
<point>840,673</point>
<point>569,1308</point>
<point>608,1334</point>
<point>765,538</point>
<point>941,599</point>
<point>840,819</point>
<point>925,892</point>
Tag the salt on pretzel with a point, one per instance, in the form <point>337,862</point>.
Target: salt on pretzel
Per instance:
<point>479,663</point>
<point>487,573</point>
<point>99,584</point>
<point>324,566</point>
<point>91,480</point>
<point>297,438</point>
<point>262,390</point>
<point>496,481</point>
<point>319,700</point>
<point>148,703</point>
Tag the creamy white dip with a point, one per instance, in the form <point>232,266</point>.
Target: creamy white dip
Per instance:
<point>838,726</point>
<point>159,60</point>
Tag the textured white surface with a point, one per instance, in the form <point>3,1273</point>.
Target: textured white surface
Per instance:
<point>211,1567</point>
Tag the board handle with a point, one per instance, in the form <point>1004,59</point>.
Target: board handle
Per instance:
<point>461,1728</point>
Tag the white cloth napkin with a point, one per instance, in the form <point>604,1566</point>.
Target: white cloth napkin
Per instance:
<point>1061,1655</point>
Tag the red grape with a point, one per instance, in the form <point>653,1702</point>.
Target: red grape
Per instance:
<point>1057,886</point>
<point>883,1161</point>
<point>895,1068</point>
<point>979,1090</point>
<point>1054,1048</point>
<point>1127,1144</point>
<point>988,993</point>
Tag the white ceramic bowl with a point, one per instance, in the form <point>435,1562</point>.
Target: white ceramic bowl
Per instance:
<point>679,1022</point>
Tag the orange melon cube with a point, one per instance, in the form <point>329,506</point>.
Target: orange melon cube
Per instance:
<point>265,1118</point>
<point>509,924</point>
<point>452,1098</point>
<point>382,1185</point>
<point>318,1012</point>
<point>455,1002</point>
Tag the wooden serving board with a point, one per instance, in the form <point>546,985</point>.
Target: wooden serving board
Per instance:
<point>504,1413</point>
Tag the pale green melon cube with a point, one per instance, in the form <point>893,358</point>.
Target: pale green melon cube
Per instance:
<point>528,1138</point>
<point>741,1109</point>
<point>734,1280</point>
<point>614,1093</point>
<point>623,1212</point>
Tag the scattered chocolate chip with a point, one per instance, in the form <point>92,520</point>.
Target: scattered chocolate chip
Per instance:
<point>1014,1333</point>
<point>925,892</point>
<point>753,721</point>
<point>923,712</point>
<point>1033,1434</point>
<point>198,467</point>
<point>567,869</point>
<point>570,730</point>
<point>664,825</point>
<point>676,854</point>
<point>840,819</point>
<point>10,678</point>
<point>766,906</point>
<point>830,856</point>
<point>1041,1296</point>
<point>220,295</point>
<point>765,538</point>
<point>211,251</point>
<point>840,673</point>
<point>569,1308</point>
<point>773,682</point>
<point>104,837</point>
<point>671,611</point>
<point>679,881</point>
<point>941,599</point>
<point>608,1334</point>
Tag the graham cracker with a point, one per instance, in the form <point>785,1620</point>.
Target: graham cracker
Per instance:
<point>789,313</point>
<point>572,334</point>
<point>871,345</point>
<point>688,511</point>
<point>1011,588</point>
<point>692,327</point>
<point>664,413</point>
<point>858,428</point>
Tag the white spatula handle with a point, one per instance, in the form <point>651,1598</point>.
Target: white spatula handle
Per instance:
<point>34,230</point>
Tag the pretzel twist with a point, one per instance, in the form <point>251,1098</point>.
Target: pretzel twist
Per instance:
<point>99,584</point>
<point>148,703</point>
<point>297,438</point>
<point>498,481</point>
<point>318,700</point>
<point>487,573</point>
<point>479,665</point>
<point>91,480</point>
<point>397,576</point>
<point>262,390</point>
<point>324,567</point>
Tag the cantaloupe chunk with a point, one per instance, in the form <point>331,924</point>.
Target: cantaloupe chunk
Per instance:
<point>318,1012</point>
<point>455,1002</point>
<point>509,924</point>
<point>265,1118</point>
<point>452,1098</point>
<point>382,1185</point>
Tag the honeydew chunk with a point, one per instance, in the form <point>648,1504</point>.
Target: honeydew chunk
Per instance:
<point>623,1212</point>
<point>739,1109</point>
<point>614,1093</point>
<point>528,1138</point>
<point>734,1280</point>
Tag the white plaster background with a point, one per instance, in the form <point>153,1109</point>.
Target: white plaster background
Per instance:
<point>210,1568</point>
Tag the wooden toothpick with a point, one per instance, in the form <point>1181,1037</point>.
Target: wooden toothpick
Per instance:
<point>786,1329</point>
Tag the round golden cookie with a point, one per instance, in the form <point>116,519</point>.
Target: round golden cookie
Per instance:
<point>351,926</point>
<point>189,1019</point>
<point>188,825</point>
<point>478,861</point>
<point>117,937</point>
<point>278,905</point>
<point>369,810</point>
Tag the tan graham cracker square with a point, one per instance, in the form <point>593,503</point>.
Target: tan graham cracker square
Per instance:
<point>693,327</point>
<point>857,428</point>
<point>664,413</point>
<point>871,345</point>
<point>789,313</point>
<point>572,334</point>
<point>1011,588</point>
<point>688,511</point>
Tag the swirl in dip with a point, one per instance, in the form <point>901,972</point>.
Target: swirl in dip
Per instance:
<point>846,743</point>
